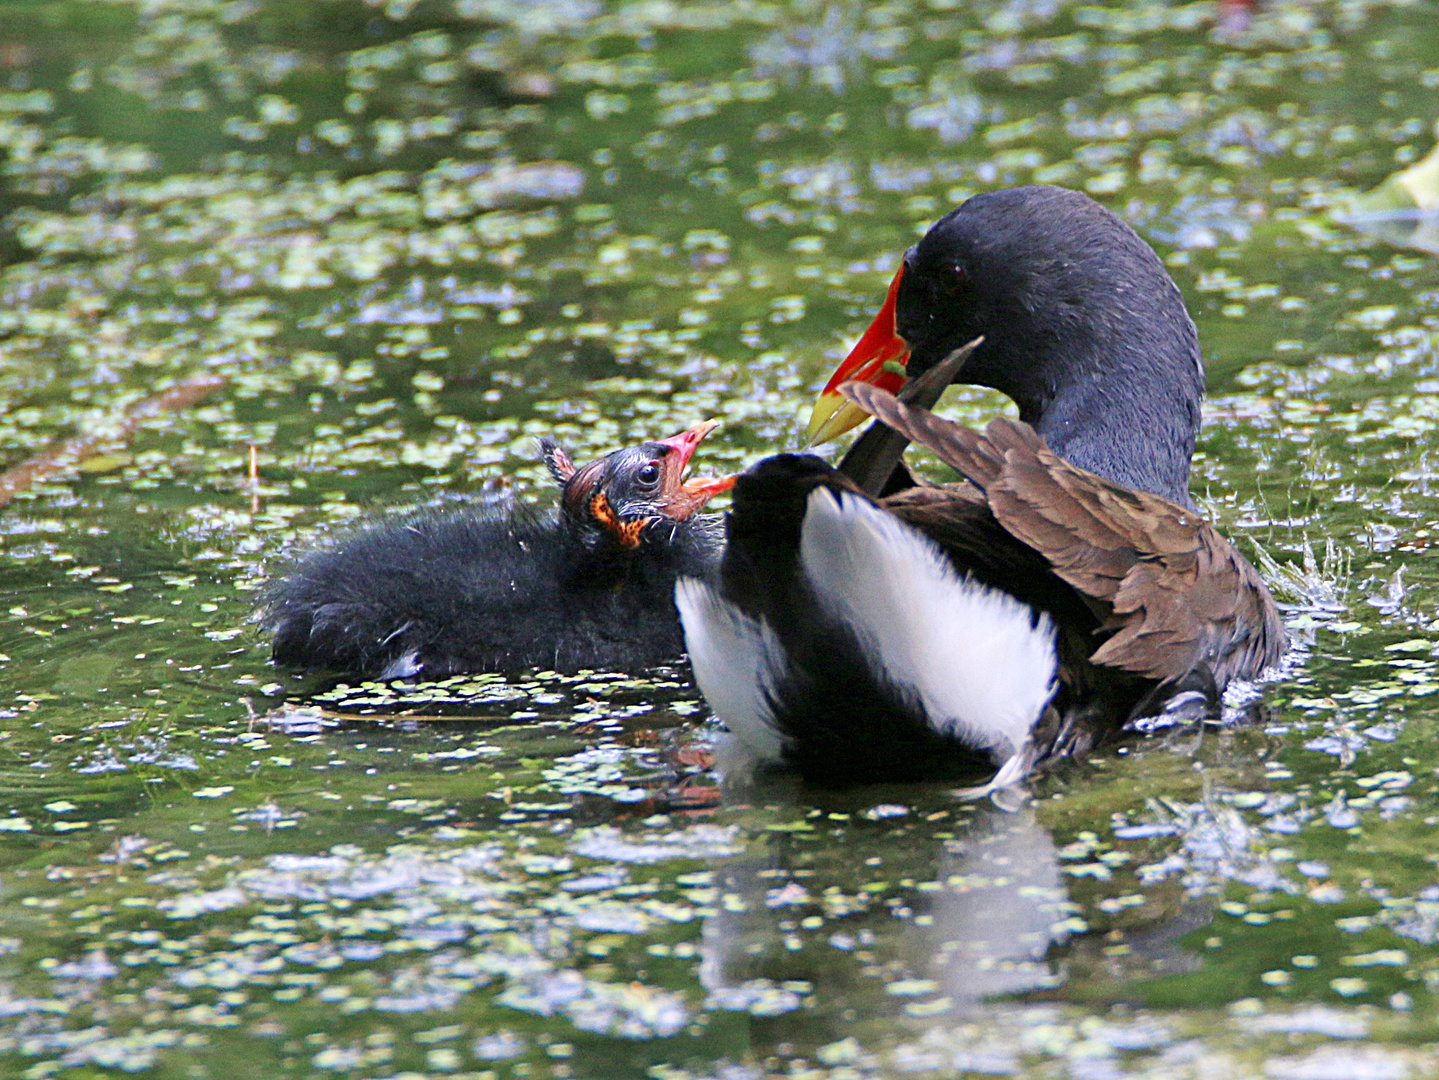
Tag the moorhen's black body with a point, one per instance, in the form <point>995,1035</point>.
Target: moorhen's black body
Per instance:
<point>862,626</point>
<point>438,593</point>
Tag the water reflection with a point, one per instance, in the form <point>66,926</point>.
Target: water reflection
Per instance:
<point>1003,906</point>
<point>982,921</point>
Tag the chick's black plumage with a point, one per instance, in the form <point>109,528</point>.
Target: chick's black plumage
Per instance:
<point>504,587</point>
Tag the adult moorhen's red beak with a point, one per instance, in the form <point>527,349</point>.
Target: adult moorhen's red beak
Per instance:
<point>878,358</point>
<point>683,499</point>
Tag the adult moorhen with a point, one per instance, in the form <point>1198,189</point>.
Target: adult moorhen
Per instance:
<point>1066,587</point>
<point>1084,329</point>
<point>438,593</point>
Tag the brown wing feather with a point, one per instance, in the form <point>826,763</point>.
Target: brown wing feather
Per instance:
<point>957,517</point>
<point>1178,594</point>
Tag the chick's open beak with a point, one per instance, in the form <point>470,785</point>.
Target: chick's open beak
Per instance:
<point>683,499</point>
<point>878,358</point>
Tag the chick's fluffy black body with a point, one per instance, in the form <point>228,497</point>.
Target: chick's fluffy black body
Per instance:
<point>500,587</point>
<point>483,589</point>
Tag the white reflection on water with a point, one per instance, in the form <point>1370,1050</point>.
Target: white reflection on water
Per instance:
<point>982,927</point>
<point>1002,905</point>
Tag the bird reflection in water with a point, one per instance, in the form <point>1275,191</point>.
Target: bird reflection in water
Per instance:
<point>997,904</point>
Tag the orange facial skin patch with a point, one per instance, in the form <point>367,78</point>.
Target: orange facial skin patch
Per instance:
<point>626,532</point>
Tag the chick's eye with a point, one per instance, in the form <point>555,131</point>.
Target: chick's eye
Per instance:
<point>650,474</point>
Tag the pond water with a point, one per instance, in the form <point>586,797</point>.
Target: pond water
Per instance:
<point>403,239</point>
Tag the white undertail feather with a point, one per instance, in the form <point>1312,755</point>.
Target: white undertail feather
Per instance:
<point>978,660</point>
<point>1004,788</point>
<point>736,661</point>
<point>402,666</point>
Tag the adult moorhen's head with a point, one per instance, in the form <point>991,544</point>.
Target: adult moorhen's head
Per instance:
<point>1083,328</point>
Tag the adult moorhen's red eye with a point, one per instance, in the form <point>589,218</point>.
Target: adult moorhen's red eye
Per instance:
<point>955,280</point>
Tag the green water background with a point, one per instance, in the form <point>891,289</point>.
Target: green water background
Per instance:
<point>413,236</point>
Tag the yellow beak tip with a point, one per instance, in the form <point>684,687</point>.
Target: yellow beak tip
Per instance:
<point>832,417</point>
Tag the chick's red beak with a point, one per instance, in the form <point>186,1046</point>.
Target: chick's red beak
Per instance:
<point>878,358</point>
<point>683,499</point>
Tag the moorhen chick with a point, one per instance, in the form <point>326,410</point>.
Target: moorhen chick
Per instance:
<point>862,626</point>
<point>441,592</point>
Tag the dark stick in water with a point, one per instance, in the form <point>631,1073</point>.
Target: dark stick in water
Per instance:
<point>67,453</point>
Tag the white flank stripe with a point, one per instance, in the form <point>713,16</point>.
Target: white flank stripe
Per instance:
<point>735,661</point>
<point>974,657</point>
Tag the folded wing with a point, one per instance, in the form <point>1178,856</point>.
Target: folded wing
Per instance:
<point>1173,594</point>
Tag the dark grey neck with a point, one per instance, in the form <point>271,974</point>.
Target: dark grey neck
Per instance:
<point>1117,392</point>
<point>1138,433</point>
<point>1124,433</point>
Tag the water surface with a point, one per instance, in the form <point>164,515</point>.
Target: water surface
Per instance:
<point>410,237</point>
